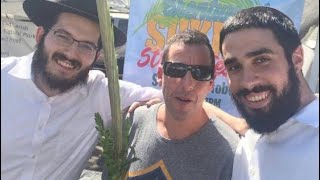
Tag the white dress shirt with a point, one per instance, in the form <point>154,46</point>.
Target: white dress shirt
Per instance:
<point>53,137</point>
<point>290,153</point>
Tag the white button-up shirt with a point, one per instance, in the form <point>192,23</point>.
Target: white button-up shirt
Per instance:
<point>53,137</point>
<point>290,153</point>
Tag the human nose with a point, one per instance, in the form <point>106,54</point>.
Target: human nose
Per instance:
<point>75,44</point>
<point>188,82</point>
<point>248,79</point>
<point>73,50</point>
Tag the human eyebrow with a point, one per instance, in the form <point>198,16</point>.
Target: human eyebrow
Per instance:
<point>62,31</point>
<point>69,34</point>
<point>229,61</point>
<point>259,52</point>
<point>89,42</point>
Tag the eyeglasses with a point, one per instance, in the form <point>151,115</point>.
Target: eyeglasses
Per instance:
<point>84,47</point>
<point>179,70</point>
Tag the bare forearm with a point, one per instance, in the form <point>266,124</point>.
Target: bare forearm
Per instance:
<point>237,124</point>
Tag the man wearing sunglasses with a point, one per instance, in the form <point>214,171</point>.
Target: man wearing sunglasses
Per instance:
<point>49,97</point>
<point>180,138</point>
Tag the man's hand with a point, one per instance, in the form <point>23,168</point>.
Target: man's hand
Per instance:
<point>142,103</point>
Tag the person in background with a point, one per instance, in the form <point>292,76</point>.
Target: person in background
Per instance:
<point>49,97</point>
<point>263,56</point>
<point>182,138</point>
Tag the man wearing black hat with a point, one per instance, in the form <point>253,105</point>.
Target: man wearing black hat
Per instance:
<point>49,97</point>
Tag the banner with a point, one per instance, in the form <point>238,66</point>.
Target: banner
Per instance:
<point>153,22</point>
<point>17,36</point>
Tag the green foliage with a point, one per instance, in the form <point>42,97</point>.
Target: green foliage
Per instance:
<point>117,168</point>
<point>242,4</point>
<point>156,14</point>
<point>187,2</point>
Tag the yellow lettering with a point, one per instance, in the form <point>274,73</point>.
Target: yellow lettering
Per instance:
<point>217,26</point>
<point>183,25</point>
<point>203,26</point>
<point>195,24</point>
<point>157,40</point>
<point>206,25</point>
<point>172,30</point>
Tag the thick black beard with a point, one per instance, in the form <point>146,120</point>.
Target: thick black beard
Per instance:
<point>281,108</point>
<point>39,67</point>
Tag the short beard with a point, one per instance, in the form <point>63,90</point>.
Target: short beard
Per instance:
<point>40,68</point>
<point>281,108</point>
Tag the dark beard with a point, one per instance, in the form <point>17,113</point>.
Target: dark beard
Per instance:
<point>281,108</point>
<point>39,67</point>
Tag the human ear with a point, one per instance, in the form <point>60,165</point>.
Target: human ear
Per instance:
<point>39,34</point>
<point>211,84</point>
<point>160,75</point>
<point>297,58</point>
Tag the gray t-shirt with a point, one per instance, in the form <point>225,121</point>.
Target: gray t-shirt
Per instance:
<point>207,154</point>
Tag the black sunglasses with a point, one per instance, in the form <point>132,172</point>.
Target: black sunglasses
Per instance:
<point>179,70</point>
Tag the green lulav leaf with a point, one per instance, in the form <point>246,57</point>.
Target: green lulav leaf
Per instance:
<point>117,168</point>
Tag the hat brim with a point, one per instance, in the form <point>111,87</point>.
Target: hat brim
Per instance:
<point>39,11</point>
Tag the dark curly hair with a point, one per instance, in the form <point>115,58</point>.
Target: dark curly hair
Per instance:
<point>281,26</point>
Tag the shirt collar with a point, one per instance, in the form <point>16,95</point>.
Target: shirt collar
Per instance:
<point>309,114</point>
<point>23,71</point>
<point>305,116</point>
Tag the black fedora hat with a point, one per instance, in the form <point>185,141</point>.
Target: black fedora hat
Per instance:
<point>39,11</point>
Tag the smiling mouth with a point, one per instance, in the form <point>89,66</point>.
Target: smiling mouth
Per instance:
<point>256,100</point>
<point>254,97</point>
<point>66,64</point>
